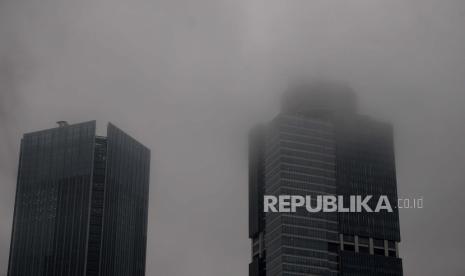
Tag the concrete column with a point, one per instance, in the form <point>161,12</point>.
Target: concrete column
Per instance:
<point>341,242</point>
<point>372,250</point>
<point>252,251</point>
<point>386,250</point>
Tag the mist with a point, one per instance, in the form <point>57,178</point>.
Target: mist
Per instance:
<point>189,78</point>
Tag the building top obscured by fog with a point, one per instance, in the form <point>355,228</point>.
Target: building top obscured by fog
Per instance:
<point>319,96</point>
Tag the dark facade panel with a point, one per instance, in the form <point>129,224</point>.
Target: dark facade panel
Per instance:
<point>257,267</point>
<point>52,202</point>
<point>366,166</point>
<point>96,210</point>
<point>300,242</point>
<point>357,264</point>
<point>256,192</point>
<point>126,204</point>
<point>256,181</point>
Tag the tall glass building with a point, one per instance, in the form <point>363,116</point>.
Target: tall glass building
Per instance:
<point>320,145</point>
<point>81,204</point>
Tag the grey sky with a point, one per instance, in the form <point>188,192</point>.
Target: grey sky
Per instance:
<point>188,78</point>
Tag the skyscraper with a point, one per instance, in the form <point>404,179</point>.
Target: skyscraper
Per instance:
<point>81,204</point>
<point>320,145</point>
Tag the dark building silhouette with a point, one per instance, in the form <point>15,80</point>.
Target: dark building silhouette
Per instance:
<point>319,145</point>
<point>81,204</point>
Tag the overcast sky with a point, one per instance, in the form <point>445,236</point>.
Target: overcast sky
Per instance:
<point>188,78</point>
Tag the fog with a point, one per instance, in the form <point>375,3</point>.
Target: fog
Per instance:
<point>189,78</point>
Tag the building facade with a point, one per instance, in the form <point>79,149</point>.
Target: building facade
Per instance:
<point>320,145</point>
<point>81,203</point>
